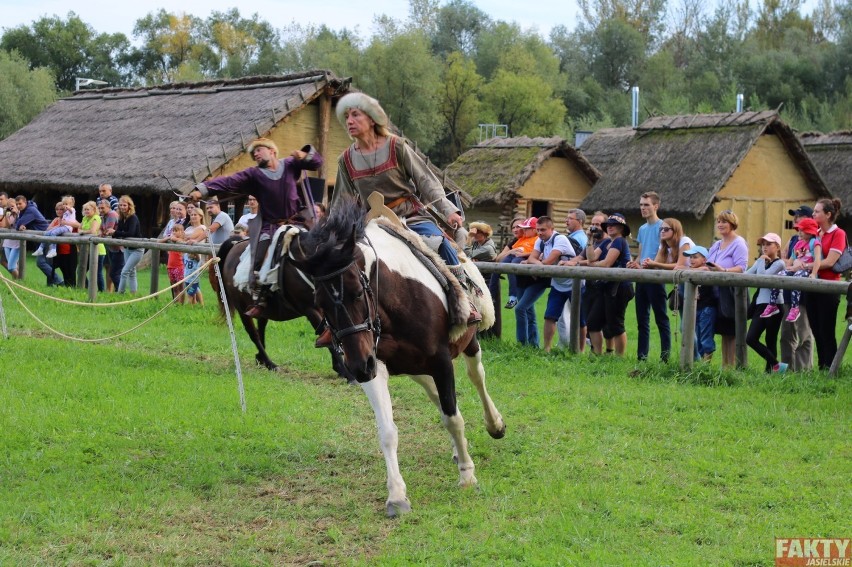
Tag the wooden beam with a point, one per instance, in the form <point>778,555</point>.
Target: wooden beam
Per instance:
<point>324,115</point>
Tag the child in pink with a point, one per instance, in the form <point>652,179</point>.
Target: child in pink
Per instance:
<point>807,251</point>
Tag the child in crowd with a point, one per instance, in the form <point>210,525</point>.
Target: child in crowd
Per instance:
<point>66,224</point>
<point>706,306</point>
<point>174,263</point>
<point>807,250</point>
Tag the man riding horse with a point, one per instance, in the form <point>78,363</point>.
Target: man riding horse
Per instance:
<point>379,161</point>
<point>273,183</point>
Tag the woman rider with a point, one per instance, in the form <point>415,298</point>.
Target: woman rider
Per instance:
<point>380,161</point>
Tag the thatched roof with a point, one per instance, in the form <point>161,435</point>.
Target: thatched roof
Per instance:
<point>832,156</point>
<point>495,170</point>
<point>149,140</point>
<point>688,159</point>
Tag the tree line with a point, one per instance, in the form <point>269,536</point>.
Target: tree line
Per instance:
<point>449,67</point>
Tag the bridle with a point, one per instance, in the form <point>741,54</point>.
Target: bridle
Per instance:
<point>332,284</point>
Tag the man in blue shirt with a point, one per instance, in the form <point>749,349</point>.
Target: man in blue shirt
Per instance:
<point>650,295</point>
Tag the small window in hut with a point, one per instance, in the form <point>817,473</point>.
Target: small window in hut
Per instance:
<point>788,225</point>
<point>540,208</point>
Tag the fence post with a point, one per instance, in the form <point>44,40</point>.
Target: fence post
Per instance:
<point>576,302</point>
<point>687,345</point>
<point>740,323</point>
<point>841,348</point>
<point>155,270</point>
<point>92,260</point>
<point>82,262</point>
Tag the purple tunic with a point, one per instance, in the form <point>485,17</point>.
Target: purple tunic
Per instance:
<point>277,197</point>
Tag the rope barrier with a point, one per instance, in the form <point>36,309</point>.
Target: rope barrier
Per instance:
<point>198,272</point>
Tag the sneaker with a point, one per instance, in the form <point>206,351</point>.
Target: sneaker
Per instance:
<point>793,315</point>
<point>38,252</point>
<point>511,304</point>
<point>770,311</point>
<point>780,368</point>
<point>51,253</point>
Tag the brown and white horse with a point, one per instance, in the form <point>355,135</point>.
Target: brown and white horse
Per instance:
<point>294,299</point>
<point>389,314</point>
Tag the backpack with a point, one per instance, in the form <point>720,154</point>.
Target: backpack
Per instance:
<point>573,241</point>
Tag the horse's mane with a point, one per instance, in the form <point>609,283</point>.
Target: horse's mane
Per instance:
<point>323,245</point>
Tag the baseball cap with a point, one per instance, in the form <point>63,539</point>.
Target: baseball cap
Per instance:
<point>697,250</point>
<point>531,222</point>
<point>803,211</point>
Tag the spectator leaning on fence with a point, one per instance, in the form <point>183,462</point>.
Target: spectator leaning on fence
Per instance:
<point>30,218</point>
<point>520,251</point>
<point>650,296</point>
<point>128,227</point>
<point>705,307</point>
<point>769,263</point>
<point>797,341</point>
<point>105,194</point>
<point>91,225</point>
<point>115,256</point>
<point>822,307</point>
<point>729,254</point>
<point>11,248</point>
<point>607,311</point>
<point>480,247</point>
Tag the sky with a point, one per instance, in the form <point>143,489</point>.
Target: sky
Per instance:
<point>107,16</point>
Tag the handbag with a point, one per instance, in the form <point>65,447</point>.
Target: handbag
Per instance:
<point>844,263</point>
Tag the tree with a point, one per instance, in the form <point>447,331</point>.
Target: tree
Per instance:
<point>70,48</point>
<point>458,25</point>
<point>25,92</point>
<point>524,103</point>
<point>401,73</point>
<point>458,102</point>
<point>169,40</point>
<point>236,42</point>
<point>616,54</point>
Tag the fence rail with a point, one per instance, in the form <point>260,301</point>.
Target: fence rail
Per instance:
<point>88,261</point>
<point>690,280</point>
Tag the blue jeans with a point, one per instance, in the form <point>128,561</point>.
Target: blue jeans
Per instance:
<point>48,270</point>
<point>652,296</point>
<point>526,326</point>
<point>445,251</point>
<point>128,272</point>
<point>11,257</point>
<point>705,322</point>
<point>513,279</point>
<point>116,264</point>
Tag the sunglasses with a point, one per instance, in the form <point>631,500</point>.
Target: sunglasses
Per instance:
<point>666,229</point>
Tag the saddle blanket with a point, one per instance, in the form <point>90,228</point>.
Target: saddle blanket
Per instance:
<point>268,274</point>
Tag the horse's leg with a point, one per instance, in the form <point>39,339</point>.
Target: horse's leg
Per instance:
<point>379,396</point>
<point>455,427</point>
<point>258,337</point>
<point>476,372</point>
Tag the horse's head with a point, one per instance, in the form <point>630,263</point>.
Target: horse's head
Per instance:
<point>341,273</point>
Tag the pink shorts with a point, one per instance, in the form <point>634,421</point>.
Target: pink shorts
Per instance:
<point>175,274</point>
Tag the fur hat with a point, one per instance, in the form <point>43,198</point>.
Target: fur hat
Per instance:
<point>263,142</point>
<point>482,227</point>
<point>363,102</point>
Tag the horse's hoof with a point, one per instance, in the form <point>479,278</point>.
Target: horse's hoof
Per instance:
<point>395,509</point>
<point>468,481</point>
<point>498,433</point>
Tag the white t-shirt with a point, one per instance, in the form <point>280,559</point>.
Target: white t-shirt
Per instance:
<point>224,230</point>
<point>244,220</point>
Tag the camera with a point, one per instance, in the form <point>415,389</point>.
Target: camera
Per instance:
<point>596,232</point>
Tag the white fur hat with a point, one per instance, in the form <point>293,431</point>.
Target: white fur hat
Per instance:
<point>363,102</point>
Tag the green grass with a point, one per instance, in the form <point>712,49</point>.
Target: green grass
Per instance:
<point>135,452</point>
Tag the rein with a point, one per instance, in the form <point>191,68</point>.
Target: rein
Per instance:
<point>335,290</point>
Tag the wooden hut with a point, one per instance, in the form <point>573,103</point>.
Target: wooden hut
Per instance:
<point>522,176</point>
<point>749,162</point>
<point>153,141</point>
<point>832,156</point>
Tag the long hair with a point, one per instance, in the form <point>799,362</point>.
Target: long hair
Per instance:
<point>670,251</point>
<point>131,207</point>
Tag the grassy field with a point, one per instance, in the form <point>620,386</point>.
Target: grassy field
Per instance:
<point>135,452</point>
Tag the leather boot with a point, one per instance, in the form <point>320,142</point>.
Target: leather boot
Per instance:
<point>324,340</point>
<point>475,317</point>
<point>259,306</point>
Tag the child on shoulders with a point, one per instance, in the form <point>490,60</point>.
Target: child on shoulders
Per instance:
<point>806,251</point>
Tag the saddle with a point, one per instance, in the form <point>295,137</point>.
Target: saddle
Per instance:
<point>268,274</point>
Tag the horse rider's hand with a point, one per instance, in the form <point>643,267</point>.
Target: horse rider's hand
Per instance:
<point>455,220</point>
<point>299,154</point>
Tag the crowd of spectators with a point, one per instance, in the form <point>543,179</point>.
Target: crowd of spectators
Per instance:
<point>801,319</point>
